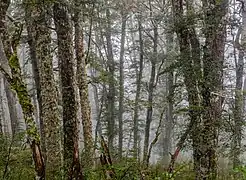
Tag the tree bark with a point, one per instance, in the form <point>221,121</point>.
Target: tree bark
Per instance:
<point>15,80</point>
<point>150,95</point>
<point>238,105</point>
<point>49,106</point>
<point>12,108</point>
<point>121,82</point>
<point>111,89</point>
<point>83,86</point>
<point>138,90</point>
<point>213,56</point>
<point>70,124</point>
<point>31,35</point>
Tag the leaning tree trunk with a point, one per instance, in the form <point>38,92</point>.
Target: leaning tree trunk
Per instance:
<point>65,56</point>
<point>191,68</point>
<point>14,78</point>
<point>83,86</point>
<point>12,108</point>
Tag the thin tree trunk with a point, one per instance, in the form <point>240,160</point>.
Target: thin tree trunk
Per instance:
<point>111,91</point>
<point>150,96</point>
<point>121,83</point>
<point>168,129</point>
<point>138,90</point>
<point>83,87</point>
<point>12,108</point>
<point>238,107</point>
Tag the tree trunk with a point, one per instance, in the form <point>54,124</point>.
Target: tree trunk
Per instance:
<point>191,68</point>
<point>70,124</point>
<point>12,108</point>
<point>111,91</point>
<point>213,56</point>
<point>150,96</point>
<point>138,90</point>
<point>238,107</point>
<point>83,87</point>
<point>17,84</point>
<point>49,107</point>
<point>121,83</point>
<point>31,34</point>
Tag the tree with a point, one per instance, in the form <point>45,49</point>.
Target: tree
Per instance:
<point>10,44</point>
<point>49,107</point>
<point>83,84</point>
<point>121,81</point>
<point>111,82</point>
<point>70,124</point>
<point>150,90</point>
<point>139,76</point>
<point>238,107</point>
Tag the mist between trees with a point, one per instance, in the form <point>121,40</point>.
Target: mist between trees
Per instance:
<point>122,89</point>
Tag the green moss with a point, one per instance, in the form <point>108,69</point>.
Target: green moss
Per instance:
<point>20,87</point>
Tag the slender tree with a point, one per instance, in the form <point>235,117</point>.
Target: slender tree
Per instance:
<point>139,76</point>
<point>83,84</point>
<point>238,107</point>
<point>121,81</point>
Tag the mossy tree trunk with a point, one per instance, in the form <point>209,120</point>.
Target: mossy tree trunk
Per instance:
<point>213,58</point>
<point>31,35</point>
<point>191,69</point>
<point>70,123</point>
<point>49,106</point>
<point>18,85</point>
<point>83,85</point>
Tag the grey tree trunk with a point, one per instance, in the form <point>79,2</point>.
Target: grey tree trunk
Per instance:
<point>111,89</point>
<point>12,108</point>
<point>238,106</point>
<point>139,74</point>
<point>121,83</point>
<point>31,34</point>
<point>150,95</point>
